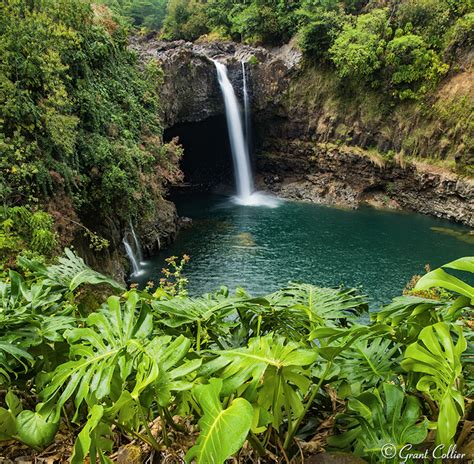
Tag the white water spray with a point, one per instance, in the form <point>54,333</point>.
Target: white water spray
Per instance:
<point>132,258</point>
<point>240,155</point>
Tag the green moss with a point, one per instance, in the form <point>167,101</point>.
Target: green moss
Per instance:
<point>253,60</point>
<point>467,237</point>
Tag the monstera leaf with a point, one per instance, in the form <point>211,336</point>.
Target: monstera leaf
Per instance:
<point>408,315</point>
<point>19,298</point>
<point>270,373</point>
<point>69,273</point>
<point>204,318</point>
<point>10,357</point>
<point>379,417</point>
<point>440,278</point>
<point>223,431</point>
<point>93,439</point>
<point>116,347</point>
<point>437,359</point>
<point>369,362</point>
<point>319,306</point>
<point>31,316</point>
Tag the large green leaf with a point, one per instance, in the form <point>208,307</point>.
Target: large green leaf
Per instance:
<point>223,431</point>
<point>7,425</point>
<point>32,316</point>
<point>20,298</point>
<point>437,359</point>
<point>207,318</point>
<point>9,353</point>
<point>8,428</point>
<point>30,427</point>
<point>317,306</point>
<point>369,362</point>
<point>92,440</point>
<point>270,372</point>
<point>35,429</point>
<point>379,417</point>
<point>116,347</point>
<point>440,278</point>
<point>69,273</point>
<point>408,315</point>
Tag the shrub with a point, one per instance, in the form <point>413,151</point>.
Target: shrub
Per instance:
<point>319,33</point>
<point>263,22</point>
<point>459,36</point>
<point>185,19</point>
<point>427,18</point>
<point>357,51</point>
<point>25,231</point>
<point>413,68</point>
<point>147,13</point>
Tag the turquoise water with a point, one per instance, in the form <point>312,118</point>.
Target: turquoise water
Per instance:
<point>261,249</point>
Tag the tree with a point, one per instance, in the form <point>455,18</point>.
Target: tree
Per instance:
<point>427,18</point>
<point>319,32</point>
<point>185,19</point>
<point>357,51</point>
<point>413,67</point>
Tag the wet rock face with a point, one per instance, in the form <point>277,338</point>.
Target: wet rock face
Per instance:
<point>156,231</point>
<point>190,90</point>
<point>347,176</point>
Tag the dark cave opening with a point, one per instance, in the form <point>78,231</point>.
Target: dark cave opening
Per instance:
<point>207,159</point>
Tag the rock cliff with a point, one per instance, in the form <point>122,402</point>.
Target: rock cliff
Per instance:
<point>190,91</point>
<point>328,174</point>
<point>319,141</point>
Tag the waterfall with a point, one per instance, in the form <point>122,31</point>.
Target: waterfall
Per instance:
<point>138,247</point>
<point>248,133</point>
<point>240,154</point>
<point>131,257</point>
<point>237,142</point>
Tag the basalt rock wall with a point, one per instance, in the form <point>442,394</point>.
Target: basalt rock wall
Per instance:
<point>318,141</point>
<point>190,91</point>
<point>328,174</point>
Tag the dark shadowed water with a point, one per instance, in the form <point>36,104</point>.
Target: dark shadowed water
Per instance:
<point>261,249</point>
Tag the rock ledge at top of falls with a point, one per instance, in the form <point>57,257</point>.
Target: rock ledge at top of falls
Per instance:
<point>190,90</point>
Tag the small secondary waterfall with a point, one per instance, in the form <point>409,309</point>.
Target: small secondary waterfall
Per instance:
<point>131,257</point>
<point>138,247</point>
<point>248,130</point>
<point>237,142</point>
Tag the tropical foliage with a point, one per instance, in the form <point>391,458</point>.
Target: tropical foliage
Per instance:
<point>80,134</point>
<point>400,45</point>
<point>256,377</point>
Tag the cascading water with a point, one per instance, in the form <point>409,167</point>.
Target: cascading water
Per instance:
<point>238,145</point>
<point>131,257</point>
<point>248,133</point>
<point>237,142</point>
<point>138,247</point>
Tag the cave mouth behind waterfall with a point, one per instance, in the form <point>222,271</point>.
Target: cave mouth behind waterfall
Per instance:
<point>207,160</point>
